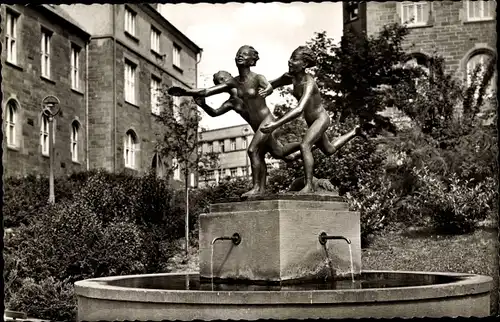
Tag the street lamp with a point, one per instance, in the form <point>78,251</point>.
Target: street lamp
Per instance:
<point>245,131</point>
<point>50,109</point>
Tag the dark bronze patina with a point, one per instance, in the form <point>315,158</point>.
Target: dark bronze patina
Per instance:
<point>248,92</point>
<point>307,93</point>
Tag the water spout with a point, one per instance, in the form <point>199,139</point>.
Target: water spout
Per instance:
<point>323,238</point>
<point>236,239</point>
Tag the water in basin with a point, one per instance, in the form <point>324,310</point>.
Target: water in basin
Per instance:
<point>193,282</point>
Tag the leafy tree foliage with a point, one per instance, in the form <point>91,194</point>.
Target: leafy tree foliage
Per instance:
<point>445,149</point>
<point>178,138</point>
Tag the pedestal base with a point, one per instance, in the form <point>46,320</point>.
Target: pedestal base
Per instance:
<point>279,239</point>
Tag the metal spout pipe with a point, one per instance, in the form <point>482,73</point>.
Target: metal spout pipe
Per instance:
<point>323,237</point>
<point>236,239</point>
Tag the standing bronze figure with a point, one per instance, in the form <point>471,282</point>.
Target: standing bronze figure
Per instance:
<point>248,92</point>
<point>306,91</point>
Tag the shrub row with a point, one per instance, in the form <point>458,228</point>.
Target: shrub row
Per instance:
<point>105,224</point>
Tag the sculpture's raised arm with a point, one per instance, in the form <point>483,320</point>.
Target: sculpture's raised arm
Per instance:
<point>200,92</point>
<point>224,108</point>
<point>283,80</point>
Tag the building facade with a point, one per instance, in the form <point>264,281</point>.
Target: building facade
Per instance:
<point>230,143</point>
<point>462,32</point>
<point>44,53</point>
<point>133,51</point>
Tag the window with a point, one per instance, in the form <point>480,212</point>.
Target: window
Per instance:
<point>415,13</point>
<point>130,149</point>
<point>220,174</point>
<point>234,172</point>
<point>480,10</point>
<point>244,171</point>
<point>130,21</point>
<point>155,93</point>
<point>221,146</point>
<point>75,67</point>
<point>244,142</point>
<point>210,147</point>
<point>352,10</point>
<point>481,60</point>
<point>155,40</point>
<point>130,82</point>
<point>11,37</point>
<point>176,56</point>
<point>44,135</point>
<point>11,121</point>
<point>232,145</point>
<point>211,174</point>
<point>177,169</point>
<point>74,141</point>
<point>45,46</point>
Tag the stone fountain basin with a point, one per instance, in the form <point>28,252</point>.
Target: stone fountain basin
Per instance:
<point>115,298</point>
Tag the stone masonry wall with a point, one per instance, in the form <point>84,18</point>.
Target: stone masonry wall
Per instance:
<point>23,83</point>
<point>447,33</point>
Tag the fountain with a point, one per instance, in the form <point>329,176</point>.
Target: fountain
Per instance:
<point>276,256</point>
<point>271,265</point>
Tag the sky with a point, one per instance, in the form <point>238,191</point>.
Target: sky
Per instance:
<point>273,29</point>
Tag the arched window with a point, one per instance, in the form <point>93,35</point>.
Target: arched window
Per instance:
<point>481,59</point>
<point>11,123</point>
<point>244,142</point>
<point>419,60</point>
<point>75,127</point>
<point>130,149</point>
<point>44,134</point>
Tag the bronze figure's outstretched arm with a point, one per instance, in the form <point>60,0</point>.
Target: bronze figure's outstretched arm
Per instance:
<point>224,108</point>
<point>200,92</point>
<point>283,80</point>
<point>293,113</point>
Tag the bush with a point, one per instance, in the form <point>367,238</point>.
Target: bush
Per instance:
<point>26,197</point>
<point>375,200</point>
<point>108,224</point>
<point>455,206</point>
<point>47,299</point>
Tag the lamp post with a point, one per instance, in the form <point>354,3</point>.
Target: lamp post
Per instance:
<point>245,133</point>
<point>50,109</point>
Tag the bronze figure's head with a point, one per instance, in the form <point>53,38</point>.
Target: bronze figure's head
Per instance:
<point>301,58</point>
<point>246,56</point>
<point>222,77</point>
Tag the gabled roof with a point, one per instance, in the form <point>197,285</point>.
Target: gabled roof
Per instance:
<point>58,11</point>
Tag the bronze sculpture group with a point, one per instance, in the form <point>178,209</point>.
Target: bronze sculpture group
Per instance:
<point>248,92</point>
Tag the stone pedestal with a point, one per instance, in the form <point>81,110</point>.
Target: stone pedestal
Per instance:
<point>279,239</point>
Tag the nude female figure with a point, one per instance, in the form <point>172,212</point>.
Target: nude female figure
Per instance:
<point>249,89</point>
<point>306,91</point>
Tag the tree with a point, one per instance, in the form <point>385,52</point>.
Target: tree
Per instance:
<point>354,78</point>
<point>446,138</point>
<point>355,75</point>
<point>208,162</point>
<point>179,139</point>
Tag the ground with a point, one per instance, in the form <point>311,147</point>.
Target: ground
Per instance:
<point>417,250</point>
